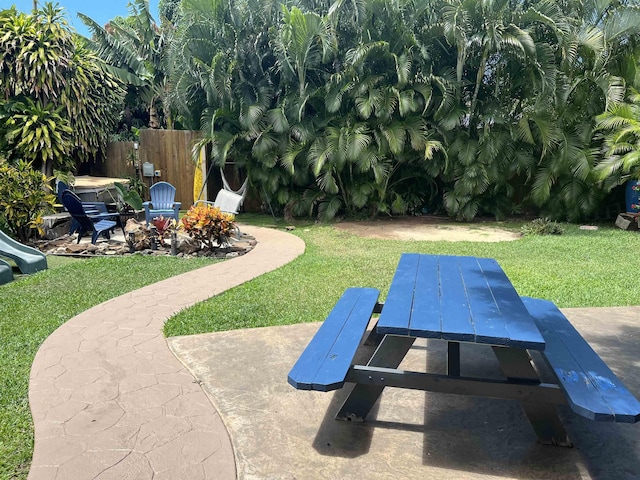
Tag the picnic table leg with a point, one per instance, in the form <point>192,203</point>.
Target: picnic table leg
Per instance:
<point>541,414</point>
<point>373,339</point>
<point>360,401</point>
<point>453,359</point>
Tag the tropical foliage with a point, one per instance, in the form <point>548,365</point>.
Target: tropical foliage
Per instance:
<point>57,104</point>
<point>473,107</point>
<point>133,48</point>
<point>208,225</point>
<point>127,198</point>
<point>542,226</point>
<point>25,197</point>
<point>163,226</point>
<point>357,108</point>
<point>620,125</point>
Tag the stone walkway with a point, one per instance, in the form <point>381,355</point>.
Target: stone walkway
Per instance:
<point>109,399</point>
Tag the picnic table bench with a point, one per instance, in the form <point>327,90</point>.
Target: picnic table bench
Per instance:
<point>462,299</point>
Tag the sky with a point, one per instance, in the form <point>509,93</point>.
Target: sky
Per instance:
<point>101,11</point>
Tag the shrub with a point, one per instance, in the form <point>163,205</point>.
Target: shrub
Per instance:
<point>25,196</point>
<point>163,226</point>
<point>208,225</point>
<point>542,226</point>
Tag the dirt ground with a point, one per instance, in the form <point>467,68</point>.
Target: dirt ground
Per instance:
<point>428,228</point>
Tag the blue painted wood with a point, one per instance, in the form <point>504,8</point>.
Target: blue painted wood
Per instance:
<point>592,389</point>
<point>521,330</point>
<point>457,324</point>
<point>457,298</point>
<point>426,315</point>
<point>487,319</point>
<point>324,364</point>
<point>396,313</point>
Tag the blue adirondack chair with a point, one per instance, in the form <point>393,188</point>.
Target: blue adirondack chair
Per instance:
<point>90,208</point>
<point>162,202</point>
<point>98,223</point>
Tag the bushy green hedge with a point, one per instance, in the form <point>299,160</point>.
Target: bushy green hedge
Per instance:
<point>25,196</point>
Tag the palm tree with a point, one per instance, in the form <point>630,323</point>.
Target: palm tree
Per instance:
<point>60,104</point>
<point>133,48</point>
<point>621,147</point>
<point>305,40</point>
<point>565,183</point>
<point>377,106</point>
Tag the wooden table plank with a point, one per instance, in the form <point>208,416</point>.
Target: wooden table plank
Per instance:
<point>426,316</point>
<point>520,326</point>
<point>457,298</point>
<point>593,389</point>
<point>485,315</point>
<point>457,323</point>
<point>324,363</point>
<point>338,358</point>
<point>396,313</point>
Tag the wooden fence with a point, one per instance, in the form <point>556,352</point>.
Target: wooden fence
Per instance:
<point>168,150</point>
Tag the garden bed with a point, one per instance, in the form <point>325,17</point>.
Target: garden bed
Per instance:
<point>66,246</point>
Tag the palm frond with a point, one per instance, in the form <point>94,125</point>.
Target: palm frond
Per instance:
<point>319,154</point>
<point>328,209</point>
<point>542,184</point>
<point>357,141</point>
<point>357,55</point>
<point>365,105</point>
<point>395,134</point>
<point>327,183</point>
<point>277,120</point>
<point>403,68</point>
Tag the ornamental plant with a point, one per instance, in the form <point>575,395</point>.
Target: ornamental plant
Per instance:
<point>25,196</point>
<point>209,225</point>
<point>163,226</point>
<point>542,226</point>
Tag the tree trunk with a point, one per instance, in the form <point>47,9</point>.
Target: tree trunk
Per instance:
<point>154,121</point>
<point>47,168</point>
<point>481,69</point>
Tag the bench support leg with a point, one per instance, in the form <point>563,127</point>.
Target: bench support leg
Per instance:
<point>453,359</point>
<point>542,416</point>
<point>374,338</point>
<point>360,401</point>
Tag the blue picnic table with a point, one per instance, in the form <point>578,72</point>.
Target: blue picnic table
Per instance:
<point>460,299</point>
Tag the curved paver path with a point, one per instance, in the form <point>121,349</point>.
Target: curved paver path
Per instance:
<point>109,399</point>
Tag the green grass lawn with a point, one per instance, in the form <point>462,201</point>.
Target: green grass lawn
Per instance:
<point>579,268</point>
<point>33,306</point>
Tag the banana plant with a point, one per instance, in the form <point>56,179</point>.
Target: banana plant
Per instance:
<point>127,197</point>
<point>133,50</point>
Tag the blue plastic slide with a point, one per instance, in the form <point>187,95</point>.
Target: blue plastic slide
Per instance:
<point>28,259</point>
<point>6,272</point>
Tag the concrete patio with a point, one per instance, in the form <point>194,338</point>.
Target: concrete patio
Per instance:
<point>280,433</point>
<point>113,399</point>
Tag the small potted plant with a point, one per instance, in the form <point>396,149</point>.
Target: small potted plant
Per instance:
<point>127,202</point>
